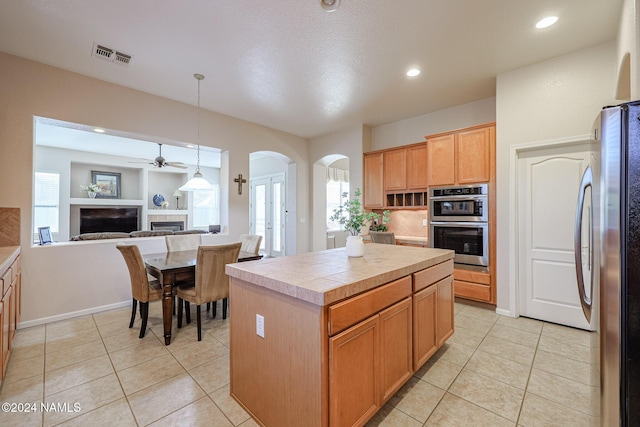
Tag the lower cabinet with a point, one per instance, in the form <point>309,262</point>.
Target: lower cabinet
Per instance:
<point>473,285</point>
<point>380,338</point>
<point>10,286</point>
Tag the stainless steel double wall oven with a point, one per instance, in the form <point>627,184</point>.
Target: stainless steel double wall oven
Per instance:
<point>459,221</point>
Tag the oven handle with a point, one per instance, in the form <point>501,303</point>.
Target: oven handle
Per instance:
<point>477,224</point>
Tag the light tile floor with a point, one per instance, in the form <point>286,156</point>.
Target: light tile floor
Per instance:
<point>494,371</point>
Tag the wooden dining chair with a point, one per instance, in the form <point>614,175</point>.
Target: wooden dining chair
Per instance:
<point>386,237</point>
<point>212,283</point>
<point>250,243</point>
<point>143,288</point>
<point>183,242</point>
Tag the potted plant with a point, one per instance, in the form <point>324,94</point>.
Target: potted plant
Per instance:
<point>353,218</point>
<point>379,222</point>
<point>91,189</point>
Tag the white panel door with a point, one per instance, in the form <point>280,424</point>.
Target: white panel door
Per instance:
<point>268,214</point>
<point>548,185</point>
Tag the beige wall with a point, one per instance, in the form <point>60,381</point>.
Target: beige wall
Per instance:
<point>75,278</point>
<point>552,100</point>
<point>414,130</point>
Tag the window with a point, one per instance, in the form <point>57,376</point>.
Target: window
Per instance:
<point>46,201</point>
<point>335,188</point>
<point>206,207</point>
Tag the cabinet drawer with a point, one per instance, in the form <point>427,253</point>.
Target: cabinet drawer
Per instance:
<point>473,291</point>
<point>430,275</point>
<point>6,281</point>
<point>472,276</point>
<point>346,313</point>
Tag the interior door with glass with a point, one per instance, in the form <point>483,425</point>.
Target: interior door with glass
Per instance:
<point>268,213</point>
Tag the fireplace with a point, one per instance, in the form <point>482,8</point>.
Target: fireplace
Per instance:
<point>167,225</point>
<point>97,220</point>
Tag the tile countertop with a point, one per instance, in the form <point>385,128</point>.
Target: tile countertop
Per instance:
<point>325,277</point>
<point>7,255</point>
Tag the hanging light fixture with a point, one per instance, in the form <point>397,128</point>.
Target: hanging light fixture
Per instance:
<point>197,182</point>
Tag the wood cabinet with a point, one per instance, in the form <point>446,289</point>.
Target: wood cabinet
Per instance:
<point>406,168</point>
<point>475,285</point>
<point>432,311</point>
<point>373,181</point>
<point>368,363</point>
<point>462,157</point>
<point>10,287</point>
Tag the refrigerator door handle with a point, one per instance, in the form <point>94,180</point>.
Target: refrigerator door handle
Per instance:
<point>587,181</point>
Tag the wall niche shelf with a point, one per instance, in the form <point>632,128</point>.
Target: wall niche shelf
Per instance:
<point>416,200</point>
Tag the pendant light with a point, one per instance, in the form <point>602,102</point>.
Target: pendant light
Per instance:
<point>197,182</point>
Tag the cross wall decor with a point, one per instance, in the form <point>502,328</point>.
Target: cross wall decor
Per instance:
<point>240,181</point>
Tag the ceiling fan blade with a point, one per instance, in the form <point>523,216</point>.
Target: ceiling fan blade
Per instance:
<point>176,165</point>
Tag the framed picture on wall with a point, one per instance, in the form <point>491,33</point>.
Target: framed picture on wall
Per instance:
<point>109,183</point>
<point>44,233</point>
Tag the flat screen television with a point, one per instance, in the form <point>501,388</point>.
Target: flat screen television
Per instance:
<point>98,220</point>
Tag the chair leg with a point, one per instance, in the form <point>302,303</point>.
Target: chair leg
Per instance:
<point>187,306</point>
<point>214,305</point>
<point>144,312</point>
<point>133,312</point>
<point>174,305</point>
<point>208,306</point>
<point>224,308</point>
<point>179,312</point>
<point>199,320</point>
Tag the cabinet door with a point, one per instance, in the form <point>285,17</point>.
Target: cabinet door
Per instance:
<point>395,170</point>
<point>417,167</point>
<point>6,322</point>
<point>424,326</point>
<point>395,347</point>
<point>441,160</point>
<point>444,310</point>
<point>13,311</point>
<point>373,189</point>
<point>354,390</point>
<point>473,150</point>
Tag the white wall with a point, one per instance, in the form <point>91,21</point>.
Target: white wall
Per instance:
<point>350,143</point>
<point>414,130</point>
<point>629,44</point>
<point>60,279</point>
<point>556,99</point>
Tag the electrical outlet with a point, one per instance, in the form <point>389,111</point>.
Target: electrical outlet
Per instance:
<point>260,325</point>
<point>424,222</point>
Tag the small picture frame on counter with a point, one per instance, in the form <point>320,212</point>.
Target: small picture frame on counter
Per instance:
<point>44,234</point>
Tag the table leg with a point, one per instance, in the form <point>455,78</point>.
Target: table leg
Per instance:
<point>167,303</point>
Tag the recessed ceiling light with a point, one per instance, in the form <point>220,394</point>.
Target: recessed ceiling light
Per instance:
<point>98,130</point>
<point>329,5</point>
<point>547,22</point>
<point>413,72</point>
<point>189,145</point>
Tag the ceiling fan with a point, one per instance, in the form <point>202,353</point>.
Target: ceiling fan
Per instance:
<point>159,161</point>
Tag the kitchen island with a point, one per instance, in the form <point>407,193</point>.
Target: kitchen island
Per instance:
<point>321,339</point>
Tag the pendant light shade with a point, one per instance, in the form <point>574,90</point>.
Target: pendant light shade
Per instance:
<point>197,182</point>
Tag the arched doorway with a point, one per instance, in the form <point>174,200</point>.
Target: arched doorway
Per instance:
<point>272,202</point>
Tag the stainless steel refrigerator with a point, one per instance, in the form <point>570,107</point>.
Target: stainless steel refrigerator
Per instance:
<point>616,232</point>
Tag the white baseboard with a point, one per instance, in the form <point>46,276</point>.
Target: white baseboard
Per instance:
<point>503,312</point>
<point>65,316</point>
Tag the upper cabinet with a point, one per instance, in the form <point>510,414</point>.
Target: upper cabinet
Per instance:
<point>406,168</point>
<point>462,157</point>
<point>373,184</point>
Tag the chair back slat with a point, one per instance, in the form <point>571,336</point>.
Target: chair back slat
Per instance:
<point>137,271</point>
<point>250,243</point>
<point>212,283</point>
<point>183,242</point>
<point>386,237</point>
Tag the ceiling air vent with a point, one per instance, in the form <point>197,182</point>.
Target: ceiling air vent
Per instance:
<point>111,55</point>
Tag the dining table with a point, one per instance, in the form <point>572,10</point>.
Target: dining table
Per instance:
<point>177,267</point>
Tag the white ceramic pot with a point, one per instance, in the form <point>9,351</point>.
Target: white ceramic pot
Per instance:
<point>92,194</point>
<point>355,246</point>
